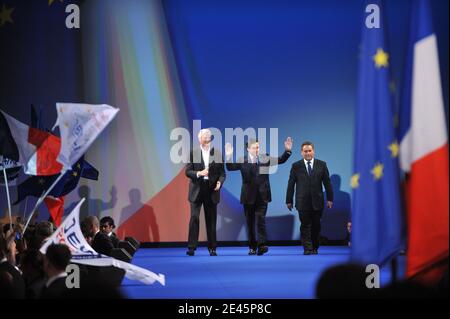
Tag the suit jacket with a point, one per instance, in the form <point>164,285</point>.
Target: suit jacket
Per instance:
<point>102,244</point>
<point>308,189</point>
<point>115,240</point>
<point>17,288</point>
<point>56,290</point>
<point>252,181</point>
<point>216,172</point>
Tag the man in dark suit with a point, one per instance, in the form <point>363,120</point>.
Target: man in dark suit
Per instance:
<point>255,191</point>
<point>307,177</point>
<point>100,242</point>
<point>12,284</point>
<point>57,257</point>
<point>107,226</point>
<point>207,175</point>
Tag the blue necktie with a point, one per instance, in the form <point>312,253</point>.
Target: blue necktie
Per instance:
<point>309,168</point>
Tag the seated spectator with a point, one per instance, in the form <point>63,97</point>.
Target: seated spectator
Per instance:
<point>10,277</point>
<point>94,288</point>
<point>101,242</point>
<point>32,266</point>
<point>56,260</point>
<point>41,232</point>
<point>107,227</point>
<point>6,285</point>
<point>84,230</point>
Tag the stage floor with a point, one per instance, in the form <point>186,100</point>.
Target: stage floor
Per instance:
<point>284,272</point>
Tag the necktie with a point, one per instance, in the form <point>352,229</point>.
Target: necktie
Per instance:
<point>309,168</point>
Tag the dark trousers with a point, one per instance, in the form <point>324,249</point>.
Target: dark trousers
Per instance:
<point>210,210</point>
<point>256,212</point>
<point>310,229</point>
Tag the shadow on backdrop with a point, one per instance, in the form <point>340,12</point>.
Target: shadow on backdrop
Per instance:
<point>334,220</point>
<point>149,225</point>
<point>92,206</point>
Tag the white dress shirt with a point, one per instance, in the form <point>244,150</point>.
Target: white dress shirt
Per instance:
<point>205,156</point>
<point>253,158</point>
<point>312,164</point>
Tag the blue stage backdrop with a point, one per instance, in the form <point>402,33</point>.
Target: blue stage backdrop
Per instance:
<point>290,65</point>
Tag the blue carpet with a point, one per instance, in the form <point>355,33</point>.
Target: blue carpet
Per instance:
<point>281,273</point>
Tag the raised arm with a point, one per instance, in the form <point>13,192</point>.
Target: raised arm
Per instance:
<point>228,156</point>
<point>285,156</point>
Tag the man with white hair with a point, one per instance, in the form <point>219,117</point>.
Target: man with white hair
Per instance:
<point>207,175</point>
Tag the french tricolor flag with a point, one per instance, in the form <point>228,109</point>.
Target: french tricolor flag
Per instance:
<point>35,149</point>
<point>424,151</point>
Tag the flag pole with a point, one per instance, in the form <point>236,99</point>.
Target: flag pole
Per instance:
<point>25,209</point>
<point>7,195</point>
<point>41,199</point>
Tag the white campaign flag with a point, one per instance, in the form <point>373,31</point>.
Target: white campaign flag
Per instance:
<point>69,233</point>
<point>79,125</point>
<point>7,163</point>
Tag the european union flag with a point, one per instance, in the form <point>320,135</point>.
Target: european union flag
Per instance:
<point>376,207</point>
<point>36,185</point>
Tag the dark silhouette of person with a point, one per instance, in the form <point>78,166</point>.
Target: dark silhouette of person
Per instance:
<point>335,219</point>
<point>93,206</point>
<point>150,227</point>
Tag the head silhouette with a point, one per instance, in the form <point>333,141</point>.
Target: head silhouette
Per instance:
<point>84,191</point>
<point>135,196</point>
<point>335,182</point>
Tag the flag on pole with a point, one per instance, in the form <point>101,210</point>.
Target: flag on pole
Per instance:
<point>37,185</point>
<point>36,118</point>
<point>69,233</point>
<point>6,163</point>
<point>80,124</point>
<point>424,148</point>
<point>36,150</point>
<point>89,171</point>
<point>376,210</point>
<point>55,206</point>
<point>12,170</point>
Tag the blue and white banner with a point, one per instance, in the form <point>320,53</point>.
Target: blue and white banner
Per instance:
<point>69,233</point>
<point>7,163</point>
<point>79,125</point>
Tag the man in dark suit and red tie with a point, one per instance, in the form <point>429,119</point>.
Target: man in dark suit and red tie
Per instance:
<point>307,177</point>
<point>255,191</point>
<point>207,175</point>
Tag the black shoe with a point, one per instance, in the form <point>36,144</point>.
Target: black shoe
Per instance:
<point>314,252</point>
<point>212,252</point>
<point>262,250</point>
<point>252,251</point>
<point>190,252</point>
<point>307,252</point>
